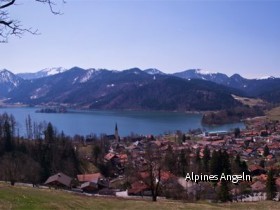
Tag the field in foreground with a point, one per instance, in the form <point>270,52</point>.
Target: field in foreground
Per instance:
<point>31,198</point>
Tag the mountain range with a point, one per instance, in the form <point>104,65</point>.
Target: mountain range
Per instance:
<point>149,89</point>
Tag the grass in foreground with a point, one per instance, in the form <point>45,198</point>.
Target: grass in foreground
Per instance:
<point>31,198</point>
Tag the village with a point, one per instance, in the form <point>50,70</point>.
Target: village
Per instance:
<point>149,167</point>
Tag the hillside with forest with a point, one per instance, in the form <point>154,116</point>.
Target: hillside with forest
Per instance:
<point>131,89</point>
<point>135,89</point>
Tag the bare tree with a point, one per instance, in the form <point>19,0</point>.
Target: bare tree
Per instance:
<point>13,27</point>
<point>154,169</point>
<point>17,167</point>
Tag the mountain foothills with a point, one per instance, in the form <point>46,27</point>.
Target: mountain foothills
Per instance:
<point>151,89</point>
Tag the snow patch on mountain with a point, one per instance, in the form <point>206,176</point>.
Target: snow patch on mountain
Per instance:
<point>42,73</point>
<point>89,75</point>
<point>75,79</point>
<point>266,77</point>
<point>153,71</point>
<point>53,70</point>
<point>7,77</point>
<point>204,72</point>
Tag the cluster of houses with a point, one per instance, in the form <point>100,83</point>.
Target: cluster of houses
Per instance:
<point>85,182</point>
<point>250,144</point>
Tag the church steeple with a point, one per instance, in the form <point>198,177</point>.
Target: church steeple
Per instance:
<point>116,133</point>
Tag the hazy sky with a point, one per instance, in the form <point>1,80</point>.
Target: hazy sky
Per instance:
<point>219,36</point>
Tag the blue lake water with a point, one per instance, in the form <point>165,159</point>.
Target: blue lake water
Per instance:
<point>98,122</point>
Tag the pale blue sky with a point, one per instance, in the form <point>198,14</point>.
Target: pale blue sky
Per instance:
<point>225,36</point>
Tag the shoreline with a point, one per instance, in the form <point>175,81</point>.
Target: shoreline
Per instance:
<point>71,107</point>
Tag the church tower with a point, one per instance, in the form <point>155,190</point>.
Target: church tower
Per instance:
<point>116,133</point>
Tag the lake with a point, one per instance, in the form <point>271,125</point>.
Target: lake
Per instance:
<point>98,122</point>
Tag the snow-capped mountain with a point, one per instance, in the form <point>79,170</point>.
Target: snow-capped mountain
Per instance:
<point>8,81</point>
<point>153,71</point>
<point>204,75</point>
<point>98,87</point>
<point>8,77</point>
<point>127,89</point>
<point>53,70</point>
<point>42,73</point>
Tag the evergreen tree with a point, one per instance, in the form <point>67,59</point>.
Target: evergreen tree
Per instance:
<point>236,166</point>
<point>215,166</point>
<point>270,186</point>
<point>226,167</point>
<point>183,163</point>
<point>49,134</point>
<point>206,159</point>
<point>266,151</point>
<point>214,163</point>
<point>237,132</point>
<point>96,153</point>
<point>8,137</point>
<point>219,163</point>
<point>246,144</point>
<point>170,159</point>
<point>244,167</point>
<point>184,138</point>
<point>198,164</point>
<point>223,193</point>
<point>262,163</point>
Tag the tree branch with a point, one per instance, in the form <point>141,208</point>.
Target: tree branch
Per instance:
<point>9,26</point>
<point>5,23</point>
<point>51,5</point>
<point>14,28</point>
<point>7,4</point>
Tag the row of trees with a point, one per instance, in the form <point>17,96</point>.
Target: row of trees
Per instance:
<point>33,161</point>
<point>216,163</point>
<point>235,114</point>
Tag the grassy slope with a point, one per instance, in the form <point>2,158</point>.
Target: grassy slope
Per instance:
<point>274,114</point>
<point>31,198</point>
<point>250,101</point>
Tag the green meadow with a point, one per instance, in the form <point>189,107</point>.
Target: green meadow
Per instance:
<point>33,198</point>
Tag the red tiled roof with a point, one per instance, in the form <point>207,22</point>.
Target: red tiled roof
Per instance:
<point>89,177</point>
<point>123,157</point>
<point>109,156</point>
<point>262,177</point>
<point>255,167</point>
<point>164,175</point>
<point>249,150</point>
<point>144,175</point>
<point>269,157</point>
